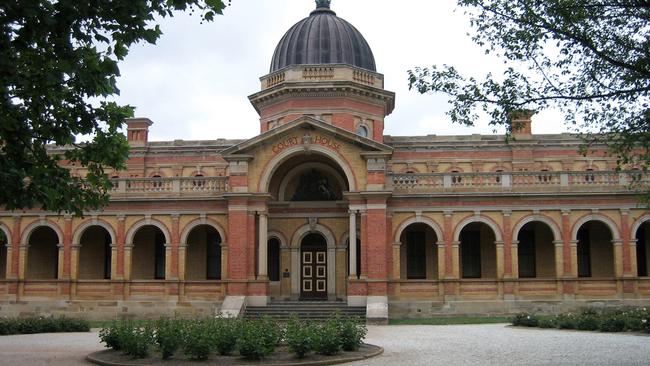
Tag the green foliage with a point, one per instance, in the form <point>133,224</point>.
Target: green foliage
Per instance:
<point>59,65</point>
<point>546,322</point>
<point>327,340</point>
<point>352,333</point>
<point>587,320</point>
<point>257,338</point>
<point>588,59</point>
<point>613,321</point>
<point>565,321</point>
<point>299,337</point>
<point>525,320</point>
<point>137,340</point>
<point>34,325</point>
<point>168,336</point>
<point>198,339</point>
<point>113,335</point>
<point>225,340</point>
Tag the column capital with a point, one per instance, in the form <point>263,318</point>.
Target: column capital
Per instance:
<point>455,244</point>
<point>448,213</point>
<point>617,242</point>
<point>566,212</point>
<point>175,216</point>
<point>625,211</point>
<point>573,243</point>
<point>121,217</point>
<point>506,213</point>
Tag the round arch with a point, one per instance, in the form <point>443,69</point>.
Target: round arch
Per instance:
<point>638,223</point>
<point>301,168</point>
<point>5,230</point>
<point>296,240</point>
<point>200,222</point>
<point>277,161</point>
<point>278,235</point>
<point>613,229</point>
<point>27,232</point>
<point>537,218</point>
<point>418,220</point>
<point>146,222</point>
<point>81,229</point>
<point>498,236</point>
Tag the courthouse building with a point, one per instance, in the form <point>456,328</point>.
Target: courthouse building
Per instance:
<point>322,205</point>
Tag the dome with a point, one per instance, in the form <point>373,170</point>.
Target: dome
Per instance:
<point>323,38</point>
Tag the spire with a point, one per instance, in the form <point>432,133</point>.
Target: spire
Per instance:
<point>323,4</point>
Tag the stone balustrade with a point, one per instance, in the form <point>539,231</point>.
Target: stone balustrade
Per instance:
<point>311,73</point>
<point>521,182</point>
<point>128,188</point>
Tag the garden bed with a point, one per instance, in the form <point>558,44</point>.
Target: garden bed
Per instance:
<point>604,320</point>
<point>282,356</point>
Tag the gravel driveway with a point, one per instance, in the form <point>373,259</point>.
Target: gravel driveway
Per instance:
<point>494,344</point>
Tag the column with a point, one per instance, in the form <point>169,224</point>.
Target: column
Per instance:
<point>66,262</point>
<point>238,227</point>
<point>119,249</point>
<point>567,248</point>
<point>397,261</point>
<point>450,251</point>
<point>617,245</point>
<point>559,259</point>
<point>507,245</point>
<point>263,247</point>
<point>627,237</point>
<point>500,267</point>
<point>175,248</point>
<point>352,245</point>
<point>376,247</point>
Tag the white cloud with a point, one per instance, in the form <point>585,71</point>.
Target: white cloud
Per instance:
<point>194,83</point>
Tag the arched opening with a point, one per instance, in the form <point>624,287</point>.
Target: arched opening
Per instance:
<point>313,267</point>
<point>273,262</point>
<point>478,251</point>
<point>418,253</point>
<point>203,259</point>
<point>308,178</point>
<point>148,258</point>
<point>358,261</point>
<point>3,255</point>
<point>95,254</point>
<point>595,250</point>
<point>642,249</point>
<point>43,254</point>
<point>536,251</point>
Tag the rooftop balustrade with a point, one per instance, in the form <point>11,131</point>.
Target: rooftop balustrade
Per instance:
<point>198,187</point>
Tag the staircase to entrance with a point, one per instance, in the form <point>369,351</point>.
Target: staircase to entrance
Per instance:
<point>305,310</point>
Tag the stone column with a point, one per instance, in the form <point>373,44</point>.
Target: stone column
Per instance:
<point>514,249</point>
<point>567,248</point>
<point>128,251</point>
<point>66,261</point>
<point>450,251</point>
<point>559,258</point>
<point>175,248</point>
<point>442,249</point>
<point>617,246</point>
<point>352,245</point>
<point>74,261</point>
<point>262,258</point>
<point>364,244</point>
<point>22,261</point>
<point>507,245</point>
<point>626,237</point>
<point>120,249</point>
<point>500,259</point>
<point>61,270</point>
<point>574,258</point>
<point>455,256</point>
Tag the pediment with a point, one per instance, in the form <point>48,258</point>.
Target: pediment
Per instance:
<point>306,130</point>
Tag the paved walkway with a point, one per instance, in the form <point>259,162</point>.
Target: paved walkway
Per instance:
<point>493,344</point>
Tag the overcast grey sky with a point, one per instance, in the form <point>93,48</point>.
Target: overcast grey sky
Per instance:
<point>195,81</point>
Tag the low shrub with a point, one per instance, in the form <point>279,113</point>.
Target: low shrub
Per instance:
<point>565,321</point>
<point>168,336</point>
<point>525,320</point>
<point>198,339</point>
<point>546,322</point>
<point>612,322</point>
<point>587,320</point>
<point>327,340</point>
<point>352,333</point>
<point>34,325</point>
<point>137,341</point>
<point>299,337</point>
<point>257,339</point>
<point>227,331</point>
<point>113,335</point>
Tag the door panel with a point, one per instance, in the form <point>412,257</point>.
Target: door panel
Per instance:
<point>313,268</point>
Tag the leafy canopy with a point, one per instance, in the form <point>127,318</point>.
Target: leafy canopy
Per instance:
<point>56,58</point>
<point>588,58</point>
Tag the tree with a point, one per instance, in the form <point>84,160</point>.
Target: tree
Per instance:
<point>58,64</point>
<point>588,58</point>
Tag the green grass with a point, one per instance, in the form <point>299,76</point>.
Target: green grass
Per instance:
<point>451,320</point>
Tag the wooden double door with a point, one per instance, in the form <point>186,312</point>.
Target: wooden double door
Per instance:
<point>313,268</point>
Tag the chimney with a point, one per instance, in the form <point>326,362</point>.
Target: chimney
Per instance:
<point>521,123</point>
<point>137,131</point>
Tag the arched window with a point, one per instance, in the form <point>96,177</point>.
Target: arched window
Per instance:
<point>203,259</point>
<point>148,254</point>
<point>362,131</point>
<point>43,254</point>
<point>95,254</point>
<point>477,251</point>
<point>536,252</point>
<point>595,250</point>
<point>642,246</point>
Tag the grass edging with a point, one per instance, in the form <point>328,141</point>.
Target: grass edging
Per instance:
<point>451,320</point>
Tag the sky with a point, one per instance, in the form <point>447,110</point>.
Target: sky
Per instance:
<point>194,83</point>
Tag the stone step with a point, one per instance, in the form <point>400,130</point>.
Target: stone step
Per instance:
<point>307,310</point>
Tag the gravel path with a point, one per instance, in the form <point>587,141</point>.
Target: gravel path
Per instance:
<point>494,344</point>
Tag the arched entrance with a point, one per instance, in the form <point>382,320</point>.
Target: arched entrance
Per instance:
<point>313,267</point>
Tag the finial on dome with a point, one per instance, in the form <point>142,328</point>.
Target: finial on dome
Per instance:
<point>323,3</point>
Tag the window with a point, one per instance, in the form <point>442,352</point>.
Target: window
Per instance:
<point>641,252</point>
<point>362,131</point>
<point>590,177</point>
<point>416,256</point>
<point>159,256</point>
<point>273,263</point>
<point>213,256</point>
<point>157,181</point>
<point>470,253</point>
<point>199,182</point>
<point>527,268</point>
<point>456,179</point>
<point>584,253</point>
